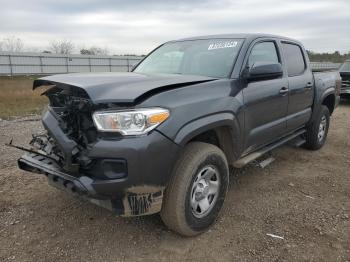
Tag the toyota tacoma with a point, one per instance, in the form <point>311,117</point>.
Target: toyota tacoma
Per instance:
<point>344,71</point>
<point>164,137</point>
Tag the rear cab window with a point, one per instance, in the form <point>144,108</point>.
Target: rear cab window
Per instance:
<point>295,61</point>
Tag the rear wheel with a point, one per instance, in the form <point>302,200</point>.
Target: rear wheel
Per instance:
<point>197,190</point>
<point>317,131</point>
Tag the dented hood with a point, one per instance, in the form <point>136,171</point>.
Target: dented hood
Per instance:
<point>120,87</point>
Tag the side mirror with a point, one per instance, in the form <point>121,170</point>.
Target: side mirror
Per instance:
<point>263,70</point>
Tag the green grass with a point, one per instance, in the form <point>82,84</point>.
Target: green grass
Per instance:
<point>17,97</point>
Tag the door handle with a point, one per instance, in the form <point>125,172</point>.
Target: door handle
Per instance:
<point>284,90</point>
<point>309,85</point>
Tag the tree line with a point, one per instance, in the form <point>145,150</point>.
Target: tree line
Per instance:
<point>334,57</point>
<point>63,46</point>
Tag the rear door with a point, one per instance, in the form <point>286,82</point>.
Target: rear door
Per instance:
<point>300,83</point>
<point>266,100</point>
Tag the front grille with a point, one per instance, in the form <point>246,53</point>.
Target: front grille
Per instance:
<point>345,85</point>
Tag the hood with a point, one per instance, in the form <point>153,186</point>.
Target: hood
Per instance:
<point>120,87</point>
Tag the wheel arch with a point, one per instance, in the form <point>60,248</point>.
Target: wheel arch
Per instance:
<point>329,101</point>
<point>220,129</point>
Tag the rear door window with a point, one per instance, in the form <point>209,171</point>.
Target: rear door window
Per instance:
<point>294,59</point>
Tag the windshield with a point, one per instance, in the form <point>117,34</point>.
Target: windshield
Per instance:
<point>345,67</point>
<point>211,57</point>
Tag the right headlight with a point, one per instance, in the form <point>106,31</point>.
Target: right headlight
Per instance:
<point>130,122</point>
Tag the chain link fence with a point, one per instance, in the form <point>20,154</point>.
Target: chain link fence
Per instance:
<point>322,66</point>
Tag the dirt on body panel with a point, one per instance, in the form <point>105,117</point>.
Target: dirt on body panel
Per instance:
<point>143,200</point>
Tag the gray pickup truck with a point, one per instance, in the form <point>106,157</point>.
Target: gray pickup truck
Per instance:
<point>163,137</point>
<point>344,71</point>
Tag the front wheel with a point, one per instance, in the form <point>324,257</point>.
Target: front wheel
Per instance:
<point>197,189</point>
<point>316,133</point>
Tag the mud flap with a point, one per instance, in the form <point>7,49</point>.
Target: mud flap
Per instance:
<point>143,200</point>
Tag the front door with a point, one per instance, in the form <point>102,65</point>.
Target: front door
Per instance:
<point>266,101</point>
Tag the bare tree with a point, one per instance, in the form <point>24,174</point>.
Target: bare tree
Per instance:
<point>12,44</point>
<point>85,51</point>
<point>62,47</point>
<point>94,50</point>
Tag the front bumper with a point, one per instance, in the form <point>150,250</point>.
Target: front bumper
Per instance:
<point>139,191</point>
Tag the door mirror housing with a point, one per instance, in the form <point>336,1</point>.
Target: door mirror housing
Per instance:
<point>263,70</point>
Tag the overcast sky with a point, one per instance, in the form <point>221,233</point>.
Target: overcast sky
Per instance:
<point>134,26</point>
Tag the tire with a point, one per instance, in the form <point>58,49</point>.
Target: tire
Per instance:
<point>188,187</point>
<point>314,140</point>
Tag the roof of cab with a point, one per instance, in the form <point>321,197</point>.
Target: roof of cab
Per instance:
<point>250,37</point>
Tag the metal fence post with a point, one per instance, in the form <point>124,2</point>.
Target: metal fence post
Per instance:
<point>90,63</point>
<point>41,64</point>
<point>67,63</point>
<point>110,64</point>
<point>10,63</point>
<point>128,64</point>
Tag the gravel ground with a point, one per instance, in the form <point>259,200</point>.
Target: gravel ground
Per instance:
<point>303,197</point>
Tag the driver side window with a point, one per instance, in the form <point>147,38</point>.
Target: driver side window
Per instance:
<point>263,52</point>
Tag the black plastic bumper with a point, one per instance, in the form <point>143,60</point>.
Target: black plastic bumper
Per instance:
<point>81,186</point>
<point>134,201</point>
<point>39,164</point>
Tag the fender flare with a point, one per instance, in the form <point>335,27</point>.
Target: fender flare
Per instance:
<point>206,123</point>
<point>318,102</point>
<point>326,93</point>
<point>329,91</point>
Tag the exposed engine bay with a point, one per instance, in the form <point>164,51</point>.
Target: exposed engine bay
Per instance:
<point>72,108</point>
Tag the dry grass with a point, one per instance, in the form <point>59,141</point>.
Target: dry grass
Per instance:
<point>17,97</point>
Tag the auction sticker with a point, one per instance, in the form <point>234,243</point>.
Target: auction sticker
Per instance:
<point>225,44</point>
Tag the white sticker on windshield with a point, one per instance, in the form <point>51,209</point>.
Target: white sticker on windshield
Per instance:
<point>226,44</point>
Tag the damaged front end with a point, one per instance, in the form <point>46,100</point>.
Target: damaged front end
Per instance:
<point>61,152</point>
<point>107,169</point>
<point>70,127</point>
